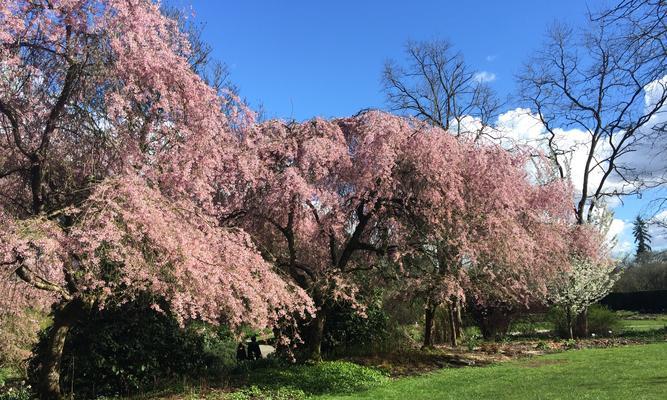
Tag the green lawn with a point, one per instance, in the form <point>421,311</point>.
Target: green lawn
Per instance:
<point>632,372</point>
<point>658,322</point>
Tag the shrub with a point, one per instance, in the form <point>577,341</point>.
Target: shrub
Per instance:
<point>649,275</point>
<point>493,322</point>
<point>133,348</point>
<point>472,342</point>
<point>257,393</point>
<point>346,331</point>
<point>559,319</point>
<point>12,387</point>
<point>602,321</point>
<point>531,325</point>
<point>542,345</point>
<point>5,374</point>
<point>331,377</point>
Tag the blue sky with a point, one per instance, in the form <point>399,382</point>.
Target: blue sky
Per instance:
<point>302,59</point>
<point>324,58</point>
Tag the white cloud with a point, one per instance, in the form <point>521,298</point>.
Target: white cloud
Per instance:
<point>484,77</point>
<point>661,216</point>
<point>519,126</point>
<point>619,236</point>
<point>658,231</point>
<point>646,163</point>
<point>622,249</point>
<point>654,91</point>
<point>467,125</point>
<point>616,228</point>
<point>491,58</point>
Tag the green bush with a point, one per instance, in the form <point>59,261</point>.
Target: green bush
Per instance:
<point>330,377</point>
<point>5,374</point>
<point>493,321</point>
<point>12,385</point>
<point>132,349</point>
<point>472,341</point>
<point>559,319</point>
<point>542,345</point>
<point>256,393</point>
<point>602,321</point>
<point>347,332</point>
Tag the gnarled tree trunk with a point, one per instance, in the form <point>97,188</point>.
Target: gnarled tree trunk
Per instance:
<point>64,317</point>
<point>313,334</point>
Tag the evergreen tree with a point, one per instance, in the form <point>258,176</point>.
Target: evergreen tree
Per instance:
<point>642,237</point>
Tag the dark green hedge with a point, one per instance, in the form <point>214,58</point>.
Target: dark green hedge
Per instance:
<point>652,301</point>
<point>132,349</point>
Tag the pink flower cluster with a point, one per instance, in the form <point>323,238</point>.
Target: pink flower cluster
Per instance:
<point>362,193</point>
<point>112,154</point>
<point>122,172</point>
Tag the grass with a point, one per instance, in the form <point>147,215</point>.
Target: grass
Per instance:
<point>630,322</point>
<point>660,321</point>
<point>632,372</point>
<point>318,378</point>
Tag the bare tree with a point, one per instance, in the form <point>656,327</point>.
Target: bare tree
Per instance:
<point>437,86</point>
<point>643,27</point>
<point>644,24</point>
<point>596,80</point>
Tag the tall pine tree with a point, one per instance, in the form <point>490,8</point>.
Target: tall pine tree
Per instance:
<point>642,238</point>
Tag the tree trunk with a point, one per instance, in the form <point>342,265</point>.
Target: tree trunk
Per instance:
<point>313,334</point>
<point>581,324</point>
<point>569,323</point>
<point>440,334</point>
<point>428,325</point>
<point>452,324</point>
<point>64,317</point>
<point>459,319</point>
<point>36,177</point>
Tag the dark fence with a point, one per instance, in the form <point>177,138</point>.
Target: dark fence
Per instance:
<point>650,301</point>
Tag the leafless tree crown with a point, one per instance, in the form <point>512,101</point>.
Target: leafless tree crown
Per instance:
<point>598,80</point>
<point>436,85</point>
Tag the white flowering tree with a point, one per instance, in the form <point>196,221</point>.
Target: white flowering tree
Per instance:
<point>586,283</point>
